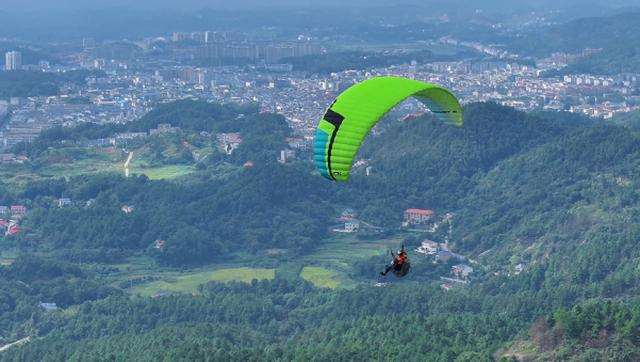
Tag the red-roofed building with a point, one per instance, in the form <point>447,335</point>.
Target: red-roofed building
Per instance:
<point>248,164</point>
<point>12,230</point>
<point>417,216</point>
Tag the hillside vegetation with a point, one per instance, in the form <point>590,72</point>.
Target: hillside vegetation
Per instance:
<point>557,196</point>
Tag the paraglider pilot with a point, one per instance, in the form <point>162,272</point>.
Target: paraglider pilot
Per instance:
<point>397,262</point>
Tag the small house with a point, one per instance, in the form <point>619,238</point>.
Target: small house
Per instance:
<point>47,307</point>
<point>127,209</point>
<point>63,202</point>
<point>347,214</point>
<point>428,247</point>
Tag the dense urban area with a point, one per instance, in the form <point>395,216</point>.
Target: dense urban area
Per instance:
<point>128,77</point>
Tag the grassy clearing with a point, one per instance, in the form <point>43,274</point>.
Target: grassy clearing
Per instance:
<point>7,256</point>
<point>343,249</point>
<point>329,265</point>
<point>289,271</point>
<point>321,277</point>
<point>62,163</point>
<point>164,172</point>
<point>188,283</point>
<point>6,262</point>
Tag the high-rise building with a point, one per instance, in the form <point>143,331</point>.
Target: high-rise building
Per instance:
<point>210,37</point>
<point>13,60</point>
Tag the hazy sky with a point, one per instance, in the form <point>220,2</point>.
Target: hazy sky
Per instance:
<point>191,4</point>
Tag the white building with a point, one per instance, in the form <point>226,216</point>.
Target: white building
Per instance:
<point>13,60</point>
<point>351,226</point>
<point>428,247</point>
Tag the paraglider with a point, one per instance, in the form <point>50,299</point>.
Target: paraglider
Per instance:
<point>357,110</point>
<point>399,265</point>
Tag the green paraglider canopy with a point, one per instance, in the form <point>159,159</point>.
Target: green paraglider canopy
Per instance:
<point>354,113</point>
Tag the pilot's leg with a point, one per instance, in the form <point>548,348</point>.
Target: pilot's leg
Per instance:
<point>387,269</point>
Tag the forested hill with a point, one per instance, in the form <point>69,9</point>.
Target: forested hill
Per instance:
<point>595,32</point>
<point>595,331</point>
<point>615,35</point>
<point>506,174</point>
<point>556,195</point>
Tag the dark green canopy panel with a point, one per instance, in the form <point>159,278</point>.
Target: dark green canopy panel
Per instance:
<point>354,113</point>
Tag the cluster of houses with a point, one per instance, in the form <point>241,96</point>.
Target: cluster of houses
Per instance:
<point>12,158</point>
<point>297,143</point>
<point>294,144</point>
<point>286,155</point>
<point>67,202</point>
<point>164,128</point>
<point>10,218</point>
<point>460,273</point>
<point>228,142</point>
<point>440,251</point>
<point>126,138</point>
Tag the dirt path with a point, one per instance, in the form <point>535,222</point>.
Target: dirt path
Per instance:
<point>126,164</point>
<point>14,344</point>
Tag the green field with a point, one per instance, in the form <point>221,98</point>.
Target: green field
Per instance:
<point>329,266</point>
<point>163,172</point>
<point>188,283</point>
<point>342,249</point>
<point>72,161</point>
<point>321,277</point>
<point>63,163</point>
